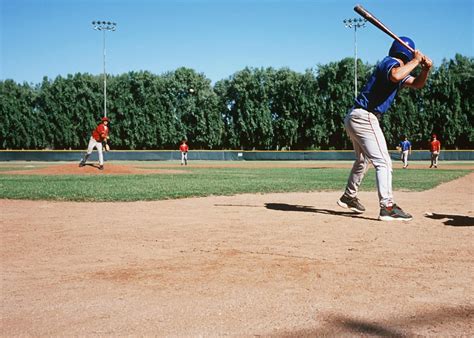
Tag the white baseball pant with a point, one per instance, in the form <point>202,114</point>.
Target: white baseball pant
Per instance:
<point>369,143</point>
<point>184,158</point>
<point>93,143</point>
<point>405,157</point>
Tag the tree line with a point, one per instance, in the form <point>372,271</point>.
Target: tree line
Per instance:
<point>255,108</point>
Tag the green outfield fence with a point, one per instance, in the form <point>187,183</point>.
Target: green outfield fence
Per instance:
<point>217,155</point>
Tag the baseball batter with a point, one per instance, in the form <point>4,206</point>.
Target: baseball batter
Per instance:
<point>405,148</point>
<point>362,125</point>
<point>184,152</point>
<point>99,137</point>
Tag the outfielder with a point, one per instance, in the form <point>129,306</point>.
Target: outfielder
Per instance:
<point>405,148</point>
<point>184,152</point>
<point>99,138</point>
<point>362,126</point>
<point>435,149</point>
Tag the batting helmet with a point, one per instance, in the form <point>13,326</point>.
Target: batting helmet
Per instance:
<point>105,118</point>
<point>399,51</point>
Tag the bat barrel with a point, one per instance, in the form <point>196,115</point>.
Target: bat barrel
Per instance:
<point>363,12</point>
<point>377,23</point>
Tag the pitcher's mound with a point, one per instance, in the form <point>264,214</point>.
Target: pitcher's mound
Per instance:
<point>93,169</point>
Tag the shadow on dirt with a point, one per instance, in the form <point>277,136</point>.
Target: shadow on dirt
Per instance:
<point>91,165</point>
<point>303,208</point>
<point>399,326</point>
<point>454,220</point>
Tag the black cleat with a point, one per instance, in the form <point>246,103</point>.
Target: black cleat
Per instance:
<point>394,213</point>
<point>351,203</point>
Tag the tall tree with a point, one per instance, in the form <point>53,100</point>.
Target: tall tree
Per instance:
<point>286,106</point>
<point>194,105</point>
<point>249,110</point>
<point>17,116</point>
<point>336,96</point>
<point>69,106</point>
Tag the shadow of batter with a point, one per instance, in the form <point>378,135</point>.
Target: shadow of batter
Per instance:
<point>303,208</point>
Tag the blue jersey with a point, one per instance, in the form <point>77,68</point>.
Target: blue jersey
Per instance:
<point>379,92</point>
<point>405,145</point>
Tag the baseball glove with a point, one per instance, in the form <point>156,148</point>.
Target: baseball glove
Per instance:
<point>106,146</point>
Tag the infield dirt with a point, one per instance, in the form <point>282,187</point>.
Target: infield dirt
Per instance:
<point>291,264</point>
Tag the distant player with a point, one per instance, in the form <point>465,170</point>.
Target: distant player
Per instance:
<point>405,149</point>
<point>184,152</point>
<point>99,137</point>
<point>362,126</point>
<point>435,149</point>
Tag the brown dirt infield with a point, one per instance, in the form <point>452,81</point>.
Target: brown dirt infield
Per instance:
<point>291,264</point>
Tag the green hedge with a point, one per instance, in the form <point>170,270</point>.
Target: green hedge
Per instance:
<point>264,109</point>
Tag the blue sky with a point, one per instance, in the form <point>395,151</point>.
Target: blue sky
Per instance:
<point>52,37</point>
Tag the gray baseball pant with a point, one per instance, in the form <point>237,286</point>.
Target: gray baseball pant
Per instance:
<point>369,143</point>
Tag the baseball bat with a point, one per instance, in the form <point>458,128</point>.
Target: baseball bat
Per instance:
<point>377,23</point>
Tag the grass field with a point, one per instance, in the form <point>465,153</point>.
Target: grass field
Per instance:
<point>196,181</point>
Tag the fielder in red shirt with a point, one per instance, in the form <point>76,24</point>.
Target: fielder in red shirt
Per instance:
<point>184,152</point>
<point>98,139</point>
<point>435,149</point>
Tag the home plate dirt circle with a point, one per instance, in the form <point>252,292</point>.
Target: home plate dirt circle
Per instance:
<point>284,265</point>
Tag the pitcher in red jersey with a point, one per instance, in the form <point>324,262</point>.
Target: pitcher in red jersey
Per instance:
<point>99,136</point>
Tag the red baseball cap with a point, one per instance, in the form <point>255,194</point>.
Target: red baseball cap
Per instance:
<point>105,118</point>
<point>434,135</point>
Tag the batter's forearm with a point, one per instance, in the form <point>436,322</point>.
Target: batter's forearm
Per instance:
<point>399,73</point>
<point>420,80</point>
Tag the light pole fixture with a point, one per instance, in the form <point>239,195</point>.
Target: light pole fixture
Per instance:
<point>104,26</point>
<point>355,23</point>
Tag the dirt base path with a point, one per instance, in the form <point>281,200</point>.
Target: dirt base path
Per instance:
<point>276,264</point>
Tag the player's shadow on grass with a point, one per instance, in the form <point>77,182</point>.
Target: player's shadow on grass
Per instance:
<point>304,208</point>
<point>454,220</point>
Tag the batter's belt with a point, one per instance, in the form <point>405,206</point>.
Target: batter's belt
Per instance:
<point>377,115</point>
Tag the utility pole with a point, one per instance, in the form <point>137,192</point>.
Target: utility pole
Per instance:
<point>355,23</point>
<point>104,26</point>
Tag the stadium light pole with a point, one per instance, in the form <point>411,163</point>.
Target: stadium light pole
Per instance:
<point>355,23</point>
<point>104,26</point>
